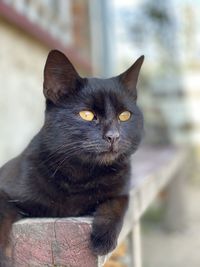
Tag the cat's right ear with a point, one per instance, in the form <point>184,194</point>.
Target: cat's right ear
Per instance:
<point>60,77</point>
<point>130,77</point>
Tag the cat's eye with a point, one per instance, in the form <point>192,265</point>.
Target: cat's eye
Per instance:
<point>125,116</point>
<point>86,115</point>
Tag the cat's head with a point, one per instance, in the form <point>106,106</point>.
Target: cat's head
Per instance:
<point>92,119</point>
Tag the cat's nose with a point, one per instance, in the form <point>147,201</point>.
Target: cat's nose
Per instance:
<point>112,136</point>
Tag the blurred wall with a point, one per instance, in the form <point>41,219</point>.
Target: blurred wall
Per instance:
<point>21,102</point>
<point>28,30</point>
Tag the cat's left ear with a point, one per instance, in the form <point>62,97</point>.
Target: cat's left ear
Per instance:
<point>129,78</point>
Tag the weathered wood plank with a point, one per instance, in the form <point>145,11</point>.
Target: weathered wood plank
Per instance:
<point>136,248</point>
<point>65,242</point>
<point>53,242</point>
<point>152,171</point>
<point>176,202</point>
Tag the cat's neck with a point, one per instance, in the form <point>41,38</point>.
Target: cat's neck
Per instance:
<point>75,170</point>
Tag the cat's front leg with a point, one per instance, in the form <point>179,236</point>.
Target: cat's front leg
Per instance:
<point>8,215</point>
<point>107,224</point>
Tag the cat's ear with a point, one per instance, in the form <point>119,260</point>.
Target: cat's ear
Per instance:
<point>129,78</point>
<point>60,77</point>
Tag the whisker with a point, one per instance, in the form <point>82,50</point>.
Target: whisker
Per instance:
<point>60,165</point>
<point>58,149</point>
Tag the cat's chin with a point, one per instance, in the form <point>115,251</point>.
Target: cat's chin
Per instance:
<point>107,158</point>
<point>103,158</point>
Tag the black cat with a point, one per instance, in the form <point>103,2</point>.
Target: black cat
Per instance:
<point>78,164</point>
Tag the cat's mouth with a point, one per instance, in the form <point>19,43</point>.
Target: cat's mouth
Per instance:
<point>104,155</point>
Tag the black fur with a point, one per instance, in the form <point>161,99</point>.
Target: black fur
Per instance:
<point>70,168</point>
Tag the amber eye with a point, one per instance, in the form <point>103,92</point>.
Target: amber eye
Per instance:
<point>86,115</point>
<point>125,116</point>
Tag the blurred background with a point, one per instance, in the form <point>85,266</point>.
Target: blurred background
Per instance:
<point>103,38</point>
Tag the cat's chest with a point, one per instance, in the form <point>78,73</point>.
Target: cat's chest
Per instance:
<point>96,185</point>
<point>64,196</point>
<point>82,198</point>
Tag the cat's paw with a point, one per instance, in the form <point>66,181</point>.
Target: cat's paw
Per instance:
<point>103,241</point>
